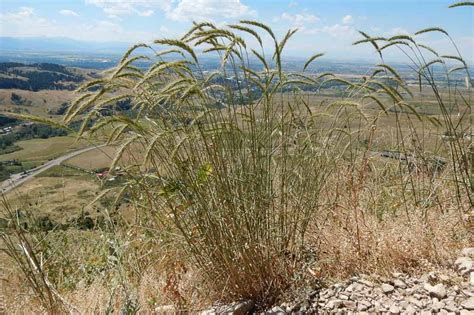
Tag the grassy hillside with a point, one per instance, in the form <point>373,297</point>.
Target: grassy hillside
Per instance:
<point>40,76</point>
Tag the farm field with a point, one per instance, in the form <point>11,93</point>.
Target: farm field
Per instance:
<point>37,151</point>
<point>94,159</point>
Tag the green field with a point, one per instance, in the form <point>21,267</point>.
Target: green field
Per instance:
<point>38,151</point>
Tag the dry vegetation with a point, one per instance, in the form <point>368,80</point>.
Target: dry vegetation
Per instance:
<point>42,102</point>
<point>255,191</point>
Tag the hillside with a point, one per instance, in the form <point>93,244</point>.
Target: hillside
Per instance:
<point>41,89</point>
<point>40,76</point>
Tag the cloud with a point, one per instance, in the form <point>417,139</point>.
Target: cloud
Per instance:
<point>127,7</point>
<point>398,31</point>
<point>348,19</point>
<point>176,10</point>
<point>190,10</point>
<point>338,30</point>
<point>22,13</point>
<point>146,13</point>
<point>68,13</point>
<point>298,20</point>
<point>22,22</point>
<point>25,22</point>
<point>292,4</point>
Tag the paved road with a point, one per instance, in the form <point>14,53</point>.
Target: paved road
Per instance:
<point>16,180</point>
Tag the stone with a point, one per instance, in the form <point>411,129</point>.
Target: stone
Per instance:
<point>468,304</point>
<point>437,291</point>
<point>464,265</point>
<point>410,309</point>
<point>362,307</point>
<point>399,284</point>
<point>343,297</point>
<point>468,252</point>
<point>239,308</point>
<point>387,288</point>
<point>366,283</point>
<point>415,301</point>
<point>465,312</point>
<point>471,278</point>
<point>394,309</point>
<point>350,305</point>
<point>425,312</point>
<point>424,278</point>
<point>467,292</point>
<point>451,307</point>
<point>437,305</point>
<point>398,274</point>
<point>432,276</point>
<point>334,304</point>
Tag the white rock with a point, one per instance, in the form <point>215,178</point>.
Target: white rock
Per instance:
<point>394,309</point>
<point>437,291</point>
<point>387,288</point>
<point>464,265</point>
<point>416,302</point>
<point>468,304</point>
<point>469,252</point>
<point>239,308</point>
<point>436,306</point>
<point>334,304</point>
<point>366,282</point>
<point>350,305</point>
<point>399,284</point>
<point>410,310</point>
<point>471,278</point>
<point>276,311</point>
<point>451,307</point>
<point>343,297</point>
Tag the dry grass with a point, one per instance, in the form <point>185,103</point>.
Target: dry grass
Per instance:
<point>41,101</point>
<point>59,198</point>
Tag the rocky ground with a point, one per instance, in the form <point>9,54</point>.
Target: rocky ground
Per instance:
<point>433,293</point>
<point>447,292</point>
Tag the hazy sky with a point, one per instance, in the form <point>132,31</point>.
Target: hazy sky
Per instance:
<point>324,25</point>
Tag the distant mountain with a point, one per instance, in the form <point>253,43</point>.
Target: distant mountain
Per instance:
<point>60,44</point>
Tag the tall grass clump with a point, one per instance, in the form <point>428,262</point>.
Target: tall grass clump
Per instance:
<point>224,162</point>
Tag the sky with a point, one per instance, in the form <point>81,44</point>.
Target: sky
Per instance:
<point>328,26</point>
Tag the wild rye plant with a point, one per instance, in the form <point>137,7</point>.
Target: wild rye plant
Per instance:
<point>225,158</point>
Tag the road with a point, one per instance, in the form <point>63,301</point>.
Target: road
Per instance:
<point>16,180</point>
